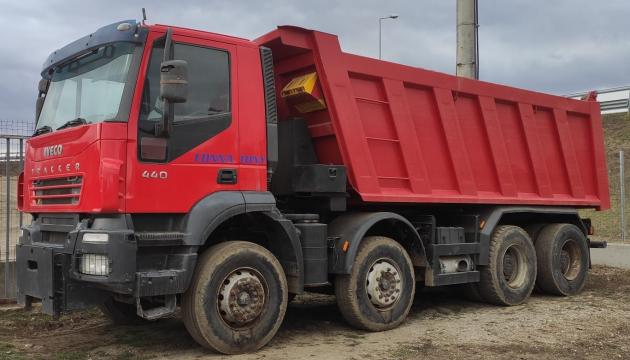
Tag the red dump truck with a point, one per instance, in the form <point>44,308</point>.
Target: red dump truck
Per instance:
<point>173,167</point>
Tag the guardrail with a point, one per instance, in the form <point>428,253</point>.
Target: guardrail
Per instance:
<point>612,102</point>
<point>611,105</point>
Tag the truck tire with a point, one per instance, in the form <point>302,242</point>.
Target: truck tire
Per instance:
<point>510,275</point>
<point>563,259</point>
<point>121,313</point>
<point>237,298</point>
<point>534,230</point>
<point>378,293</point>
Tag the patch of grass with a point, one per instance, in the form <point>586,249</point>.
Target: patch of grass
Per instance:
<point>71,355</point>
<point>126,355</point>
<point>9,352</point>
<point>405,351</point>
<point>133,337</point>
<point>411,351</point>
<point>23,322</point>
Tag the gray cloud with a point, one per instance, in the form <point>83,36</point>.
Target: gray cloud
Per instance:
<point>555,46</point>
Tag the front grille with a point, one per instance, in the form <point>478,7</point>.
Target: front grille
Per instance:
<point>57,191</point>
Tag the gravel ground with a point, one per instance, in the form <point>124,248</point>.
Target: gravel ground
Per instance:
<point>593,325</point>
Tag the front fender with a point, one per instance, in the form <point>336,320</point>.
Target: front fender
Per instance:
<point>215,209</point>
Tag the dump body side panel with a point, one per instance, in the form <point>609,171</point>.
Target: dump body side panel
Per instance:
<point>412,135</point>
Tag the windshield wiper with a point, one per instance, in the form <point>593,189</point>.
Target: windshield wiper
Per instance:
<point>74,122</point>
<point>42,130</point>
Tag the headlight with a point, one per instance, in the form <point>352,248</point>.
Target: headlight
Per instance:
<point>94,264</point>
<point>95,238</point>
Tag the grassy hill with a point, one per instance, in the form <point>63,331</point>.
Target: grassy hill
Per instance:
<point>617,137</point>
<point>617,131</point>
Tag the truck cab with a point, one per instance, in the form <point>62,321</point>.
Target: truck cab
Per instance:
<point>112,85</point>
<point>124,185</point>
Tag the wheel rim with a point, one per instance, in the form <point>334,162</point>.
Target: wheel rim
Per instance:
<point>242,297</point>
<point>570,264</point>
<point>514,267</point>
<point>384,284</point>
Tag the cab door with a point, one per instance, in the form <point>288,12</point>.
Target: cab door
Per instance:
<point>200,155</point>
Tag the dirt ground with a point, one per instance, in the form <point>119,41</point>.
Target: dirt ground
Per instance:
<point>593,325</point>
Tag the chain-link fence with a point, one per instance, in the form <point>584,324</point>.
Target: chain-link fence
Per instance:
<point>13,135</point>
<point>611,225</point>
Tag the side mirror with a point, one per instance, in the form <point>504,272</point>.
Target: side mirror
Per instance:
<point>174,81</point>
<point>42,86</point>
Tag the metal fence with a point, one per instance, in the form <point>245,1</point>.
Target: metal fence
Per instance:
<point>12,141</point>
<point>611,225</point>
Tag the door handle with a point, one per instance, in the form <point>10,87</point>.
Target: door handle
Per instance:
<point>226,176</point>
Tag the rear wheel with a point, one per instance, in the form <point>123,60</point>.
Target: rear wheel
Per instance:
<point>563,259</point>
<point>237,299</point>
<point>378,293</point>
<point>510,275</point>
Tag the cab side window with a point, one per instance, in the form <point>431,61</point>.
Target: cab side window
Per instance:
<point>206,111</point>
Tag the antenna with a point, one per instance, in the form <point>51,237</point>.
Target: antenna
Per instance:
<point>144,16</point>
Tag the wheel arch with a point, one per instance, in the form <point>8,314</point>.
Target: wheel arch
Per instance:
<point>248,216</point>
<point>354,227</point>
<point>524,217</point>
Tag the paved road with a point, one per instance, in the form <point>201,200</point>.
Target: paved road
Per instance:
<point>614,255</point>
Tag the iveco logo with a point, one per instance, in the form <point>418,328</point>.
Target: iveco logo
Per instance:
<point>54,150</point>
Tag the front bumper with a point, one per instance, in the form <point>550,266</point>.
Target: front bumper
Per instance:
<point>49,257</point>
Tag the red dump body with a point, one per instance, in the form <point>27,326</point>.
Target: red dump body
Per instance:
<point>407,134</point>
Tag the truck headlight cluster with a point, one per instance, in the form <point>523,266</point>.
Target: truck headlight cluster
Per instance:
<point>94,264</point>
<point>95,238</point>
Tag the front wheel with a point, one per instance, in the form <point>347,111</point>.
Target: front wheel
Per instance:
<point>378,293</point>
<point>237,298</point>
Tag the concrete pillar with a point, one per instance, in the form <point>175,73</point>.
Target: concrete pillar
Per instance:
<point>467,49</point>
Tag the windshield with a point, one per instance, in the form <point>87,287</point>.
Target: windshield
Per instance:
<point>88,88</point>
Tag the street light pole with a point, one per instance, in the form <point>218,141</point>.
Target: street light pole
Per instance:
<point>380,26</point>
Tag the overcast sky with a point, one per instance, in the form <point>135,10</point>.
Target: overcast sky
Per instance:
<point>560,46</point>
